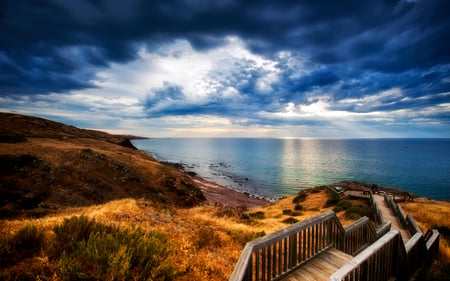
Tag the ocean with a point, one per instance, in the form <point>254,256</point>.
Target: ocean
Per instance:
<point>272,168</point>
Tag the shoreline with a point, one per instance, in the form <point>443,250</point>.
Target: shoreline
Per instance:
<point>217,194</point>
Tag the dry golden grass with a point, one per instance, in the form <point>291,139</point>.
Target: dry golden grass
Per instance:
<point>211,259</point>
<point>433,214</point>
<point>208,240</point>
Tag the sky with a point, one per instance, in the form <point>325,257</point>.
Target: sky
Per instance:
<point>230,68</point>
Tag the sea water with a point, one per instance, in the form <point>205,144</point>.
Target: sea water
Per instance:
<point>278,167</point>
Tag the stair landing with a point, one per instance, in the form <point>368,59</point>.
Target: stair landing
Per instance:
<point>320,267</point>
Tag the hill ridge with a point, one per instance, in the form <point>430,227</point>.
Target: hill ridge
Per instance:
<point>46,165</point>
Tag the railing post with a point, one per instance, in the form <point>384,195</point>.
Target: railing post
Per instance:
<point>292,250</point>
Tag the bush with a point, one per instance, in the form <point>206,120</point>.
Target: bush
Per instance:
<point>357,211</point>
<point>243,237</point>
<point>300,197</point>
<point>206,237</point>
<point>76,229</point>
<point>257,215</point>
<point>290,220</point>
<point>287,212</point>
<point>342,205</point>
<point>27,242</point>
<point>95,251</point>
<point>317,189</point>
<point>333,199</point>
<point>298,207</point>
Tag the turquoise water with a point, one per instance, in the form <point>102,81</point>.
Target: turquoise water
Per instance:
<point>278,167</point>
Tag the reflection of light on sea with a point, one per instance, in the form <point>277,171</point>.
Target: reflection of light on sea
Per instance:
<point>297,169</point>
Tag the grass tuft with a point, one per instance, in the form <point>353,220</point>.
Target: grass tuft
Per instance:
<point>206,238</point>
<point>95,251</point>
<point>290,220</point>
<point>301,197</point>
<point>27,242</point>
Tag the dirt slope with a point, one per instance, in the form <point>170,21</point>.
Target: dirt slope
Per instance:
<point>46,165</point>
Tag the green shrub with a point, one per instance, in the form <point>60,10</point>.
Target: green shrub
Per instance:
<point>95,251</point>
<point>343,205</point>
<point>357,211</point>
<point>243,237</point>
<point>287,212</point>
<point>27,242</point>
<point>317,189</point>
<point>300,197</point>
<point>296,213</point>
<point>257,215</point>
<point>76,229</point>
<point>298,207</point>
<point>333,199</point>
<point>6,251</point>
<point>206,237</point>
<point>290,220</point>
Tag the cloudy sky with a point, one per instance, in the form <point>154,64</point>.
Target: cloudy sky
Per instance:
<point>228,68</point>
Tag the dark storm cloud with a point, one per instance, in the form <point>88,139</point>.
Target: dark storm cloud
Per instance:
<point>346,50</point>
<point>387,36</point>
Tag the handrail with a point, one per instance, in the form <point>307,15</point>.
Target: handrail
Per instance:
<point>280,252</point>
<point>380,255</point>
<point>358,235</point>
<point>389,256</point>
<point>276,254</point>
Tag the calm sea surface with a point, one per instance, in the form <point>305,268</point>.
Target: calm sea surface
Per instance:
<point>278,167</point>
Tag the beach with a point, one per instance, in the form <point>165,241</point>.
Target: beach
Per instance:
<point>218,194</point>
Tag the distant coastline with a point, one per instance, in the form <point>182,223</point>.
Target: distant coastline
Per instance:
<point>273,168</point>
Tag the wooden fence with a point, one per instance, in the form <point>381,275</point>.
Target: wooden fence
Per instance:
<point>390,257</point>
<point>276,254</point>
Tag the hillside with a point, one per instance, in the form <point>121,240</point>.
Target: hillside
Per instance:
<point>84,205</point>
<point>45,165</point>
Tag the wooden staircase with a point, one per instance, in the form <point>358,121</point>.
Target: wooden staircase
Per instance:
<point>321,249</point>
<point>321,267</point>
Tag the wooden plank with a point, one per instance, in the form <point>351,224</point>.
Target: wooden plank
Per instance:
<point>290,230</point>
<point>320,267</point>
<point>367,254</point>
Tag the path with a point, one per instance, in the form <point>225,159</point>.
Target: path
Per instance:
<point>389,216</point>
<point>320,267</point>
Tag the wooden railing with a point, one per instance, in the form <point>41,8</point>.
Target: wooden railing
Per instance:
<point>357,236</point>
<point>377,262</point>
<point>365,195</point>
<point>408,222</point>
<point>379,253</point>
<point>390,257</point>
<point>276,254</point>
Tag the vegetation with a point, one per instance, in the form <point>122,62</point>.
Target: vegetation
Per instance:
<point>300,197</point>
<point>333,199</point>
<point>431,214</point>
<point>354,208</point>
<point>27,242</point>
<point>199,243</point>
<point>84,249</point>
<point>290,220</point>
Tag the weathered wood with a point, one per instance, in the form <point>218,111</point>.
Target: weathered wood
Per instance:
<point>413,228</point>
<point>371,260</point>
<point>280,254</point>
<point>321,267</point>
